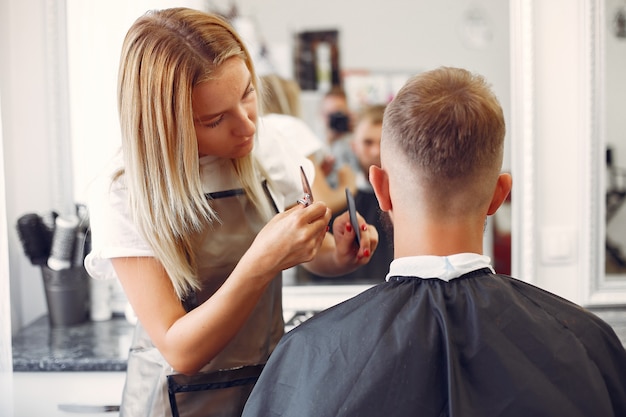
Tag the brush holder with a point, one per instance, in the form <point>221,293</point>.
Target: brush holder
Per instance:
<point>67,295</point>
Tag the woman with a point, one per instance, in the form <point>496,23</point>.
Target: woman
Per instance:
<point>281,107</point>
<point>187,220</point>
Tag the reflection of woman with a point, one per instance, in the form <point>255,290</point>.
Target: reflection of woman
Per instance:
<point>186,218</point>
<point>281,106</point>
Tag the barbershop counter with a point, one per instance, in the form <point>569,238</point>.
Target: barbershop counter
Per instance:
<point>103,346</point>
<point>59,367</point>
<point>89,347</point>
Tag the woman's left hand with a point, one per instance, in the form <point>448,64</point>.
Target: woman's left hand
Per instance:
<point>348,252</point>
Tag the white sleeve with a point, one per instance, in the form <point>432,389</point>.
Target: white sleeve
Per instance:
<point>282,161</point>
<point>113,233</point>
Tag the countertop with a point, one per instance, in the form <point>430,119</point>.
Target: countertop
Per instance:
<point>89,347</point>
<point>93,346</point>
<point>103,346</point>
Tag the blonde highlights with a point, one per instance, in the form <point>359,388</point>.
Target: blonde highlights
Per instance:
<point>280,95</point>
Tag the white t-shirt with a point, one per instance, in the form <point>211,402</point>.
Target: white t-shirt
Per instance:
<point>298,134</point>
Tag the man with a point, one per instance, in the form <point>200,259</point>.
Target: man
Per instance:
<point>445,335</point>
<point>338,131</point>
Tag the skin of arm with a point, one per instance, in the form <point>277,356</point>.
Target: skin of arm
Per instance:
<point>188,341</point>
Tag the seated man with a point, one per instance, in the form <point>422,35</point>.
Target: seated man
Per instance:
<point>445,335</point>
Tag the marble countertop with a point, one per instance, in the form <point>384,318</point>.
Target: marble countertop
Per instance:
<point>88,347</point>
<point>103,346</point>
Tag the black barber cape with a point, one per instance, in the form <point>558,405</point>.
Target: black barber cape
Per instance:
<point>479,345</point>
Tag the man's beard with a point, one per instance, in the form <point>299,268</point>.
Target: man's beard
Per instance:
<point>387,226</point>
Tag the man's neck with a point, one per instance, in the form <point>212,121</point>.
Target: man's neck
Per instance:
<point>438,239</point>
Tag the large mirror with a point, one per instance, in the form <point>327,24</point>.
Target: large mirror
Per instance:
<point>469,34</point>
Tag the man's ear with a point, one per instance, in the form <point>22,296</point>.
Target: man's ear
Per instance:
<point>501,192</point>
<point>380,184</point>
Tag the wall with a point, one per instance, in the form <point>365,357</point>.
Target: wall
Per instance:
<point>559,130</point>
<point>6,394</point>
<point>29,169</point>
<point>558,152</point>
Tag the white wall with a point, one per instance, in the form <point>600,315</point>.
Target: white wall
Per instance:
<point>559,129</point>
<point>29,174</point>
<point>6,356</point>
<point>6,366</point>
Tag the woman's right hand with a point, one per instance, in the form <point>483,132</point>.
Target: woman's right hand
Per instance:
<point>290,238</point>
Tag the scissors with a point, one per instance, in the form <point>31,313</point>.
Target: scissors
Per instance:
<point>353,220</point>
<point>307,199</point>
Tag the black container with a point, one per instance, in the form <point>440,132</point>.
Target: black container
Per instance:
<point>67,295</point>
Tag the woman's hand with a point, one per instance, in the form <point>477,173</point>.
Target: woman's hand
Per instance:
<point>348,252</point>
<point>290,238</point>
<point>340,253</point>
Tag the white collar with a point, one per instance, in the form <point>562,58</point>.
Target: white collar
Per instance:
<point>441,267</point>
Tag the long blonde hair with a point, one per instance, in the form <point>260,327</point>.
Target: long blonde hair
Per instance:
<point>165,54</point>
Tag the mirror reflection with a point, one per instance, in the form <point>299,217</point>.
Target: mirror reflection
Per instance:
<point>322,45</point>
<point>615,134</point>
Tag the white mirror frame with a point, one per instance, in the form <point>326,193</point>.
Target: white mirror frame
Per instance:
<point>589,265</point>
<point>602,290</point>
<point>522,149</point>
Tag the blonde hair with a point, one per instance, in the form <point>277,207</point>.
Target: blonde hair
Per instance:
<point>373,113</point>
<point>164,56</point>
<point>280,95</point>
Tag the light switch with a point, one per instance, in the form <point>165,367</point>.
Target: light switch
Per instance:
<point>558,245</point>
